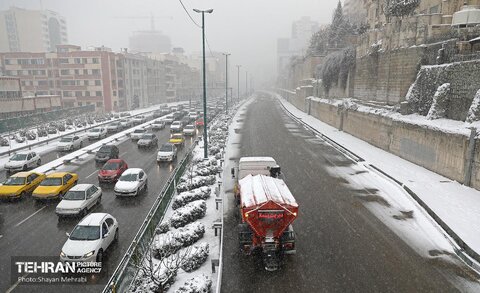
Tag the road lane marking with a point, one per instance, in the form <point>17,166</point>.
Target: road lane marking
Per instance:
<point>1,236</point>
<point>123,154</point>
<point>94,172</point>
<point>24,220</point>
<point>16,284</point>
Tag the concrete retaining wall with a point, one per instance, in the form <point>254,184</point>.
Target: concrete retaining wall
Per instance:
<point>443,153</point>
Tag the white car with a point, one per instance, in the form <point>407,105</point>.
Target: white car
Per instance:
<point>189,130</point>
<point>78,200</point>
<point>125,123</point>
<point>97,133</point>
<point>138,133</point>
<point>131,183</point>
<point>158,124</point>
<point>169,119</point>
<point>113,127</point>
<point>71,142</point>
<point>23,161</point>
<point>167,153</point>
<point>90,238</point>
<point>139,119</point>
<point>192,115</point>
<point>176,126</point>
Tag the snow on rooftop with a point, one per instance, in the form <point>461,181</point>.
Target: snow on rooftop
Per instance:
<point>260,189</point>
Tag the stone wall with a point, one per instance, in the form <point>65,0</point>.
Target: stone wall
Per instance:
<point>438,151</point>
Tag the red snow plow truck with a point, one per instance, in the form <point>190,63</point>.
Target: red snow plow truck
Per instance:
<point>267,209</point>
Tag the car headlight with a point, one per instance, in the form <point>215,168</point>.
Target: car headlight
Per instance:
<point>62,254</point>
<point>89,254</point>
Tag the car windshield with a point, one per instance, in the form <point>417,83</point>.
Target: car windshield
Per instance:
<point>139,131</point>
<point>75,195</point>
<point>104,150</point>
<point>166,148</point>
<point>128,177</point>
<point>111,166</point>
<point>95,130</point>
<point>51,182</point>
<point>147,136</point>
<point>176,123</point>
<point>177,136</point>
<point>66,139</point>
<point>19,157</point>
<point>15,181</point>
<point>85,233</point>
<point>189,127</point>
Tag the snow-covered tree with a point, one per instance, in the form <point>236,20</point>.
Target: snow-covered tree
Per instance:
<point>336,68</point>
<point>400,8</point>
<point>474,111</point>
<point>440,102</point>
<point>198,284</point>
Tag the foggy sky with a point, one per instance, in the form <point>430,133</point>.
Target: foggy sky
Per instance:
<point>248,29</point>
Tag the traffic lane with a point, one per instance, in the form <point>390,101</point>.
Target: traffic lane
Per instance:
<point>340,245</point>
<point>50,236</point>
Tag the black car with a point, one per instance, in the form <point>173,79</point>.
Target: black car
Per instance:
<point>106,152</point>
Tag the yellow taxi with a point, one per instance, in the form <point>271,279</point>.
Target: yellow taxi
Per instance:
<point>177,139</point>
<point>55,185</point>
<point>20,184</point>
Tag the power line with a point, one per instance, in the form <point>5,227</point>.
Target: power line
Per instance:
<point>191,18</point>
<point>208,45</point>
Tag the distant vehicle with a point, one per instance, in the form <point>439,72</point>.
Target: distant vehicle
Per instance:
<point>116,115</point>
<point>97,133</point>
<point>148,140</point>
<point>157,113</point>
<point>55,185</point>
<point>177,139</point>
<point>189,130</point>
<point>112,170</point>
<point>131,183</point>
<point>113,127</point>
<point>158,124</point>
<point>126,123</point>
<point>167,153</point>
<point>139,119</point>
<point>106,152</point>
<point>192,115</point>
<point>70,143</point>
<point>23,161</point>
<point>52,130</point>
<point>137,133</point>
<point>90,238</point>
<point>78,200</point>
<point>20,184</point>
<point>176,126</point>
<point>169,119</point>
<point>199,123</point>
<point>125,114</point>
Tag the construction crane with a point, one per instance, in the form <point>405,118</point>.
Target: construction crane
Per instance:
<point>151,17</point>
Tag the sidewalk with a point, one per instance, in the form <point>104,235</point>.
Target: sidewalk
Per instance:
<point>456,205</point>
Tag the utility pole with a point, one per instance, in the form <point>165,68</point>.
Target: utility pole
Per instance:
<point>226,81</point>
<point>238,83</point>
<point>205,136</point>
<point>246,83</point>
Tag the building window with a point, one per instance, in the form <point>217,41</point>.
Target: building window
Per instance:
<point>98,93</point>
<point>86,82</point>
<point>80,104</point>
<point>95,71</point>
<point>63,60</point>
<point>114,93</point>
<point>77,60</point>
<point>99,104</point>
<point>87,94</point>
<point>67,93</point>
<point>84,60</point>
<point>98,82</point>
<point>78,94</point>
<point>7,61</point>
<point>77,71</point>
<point>64,72</point>
<point>95,60</point>
<point>434,9</point>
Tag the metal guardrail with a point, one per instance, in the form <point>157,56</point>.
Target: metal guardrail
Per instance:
<point>46,141</point>
<point>463,250</point>
<point>126,270</point>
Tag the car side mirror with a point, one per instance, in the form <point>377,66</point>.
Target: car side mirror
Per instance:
<point>68,234</point>
<point>105,235</point>
<point>233,172</point>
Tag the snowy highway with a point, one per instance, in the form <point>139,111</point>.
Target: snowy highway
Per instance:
<point>32,229</point>
<point>356,231</point>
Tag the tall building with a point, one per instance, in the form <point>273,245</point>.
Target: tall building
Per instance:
<point>151,41</point>
<point>23,30</point>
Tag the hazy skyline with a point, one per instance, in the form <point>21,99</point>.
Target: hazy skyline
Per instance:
<point>247,29</point>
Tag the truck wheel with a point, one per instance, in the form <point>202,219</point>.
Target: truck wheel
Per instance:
<point>39,162</point>
<point>25,167</point>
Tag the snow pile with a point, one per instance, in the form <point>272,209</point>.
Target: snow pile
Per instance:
<point>198,284</point>
<point>188,213</point>
<point>192,183</point>
<point>188,196</point>
<point>196,257</point>
<point>474,111</point>
<point>166,244</point>
<point>440,102</point>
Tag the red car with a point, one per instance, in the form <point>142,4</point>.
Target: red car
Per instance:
<point>199,122</point>
<point>112,170</point>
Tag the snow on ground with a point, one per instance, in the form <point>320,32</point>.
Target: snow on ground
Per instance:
<point>46,148</point>
<point>457,205</point>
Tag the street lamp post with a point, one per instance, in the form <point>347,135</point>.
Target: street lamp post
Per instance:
<point>238,83</point>
<point>226,81</point>
<point>205,137</point>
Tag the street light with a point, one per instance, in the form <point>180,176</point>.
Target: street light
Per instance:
<point>238,82</point>
<point>226,81</point>
<point>205,137</point>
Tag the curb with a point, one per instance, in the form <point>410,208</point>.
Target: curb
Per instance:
<point>464,251</point>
